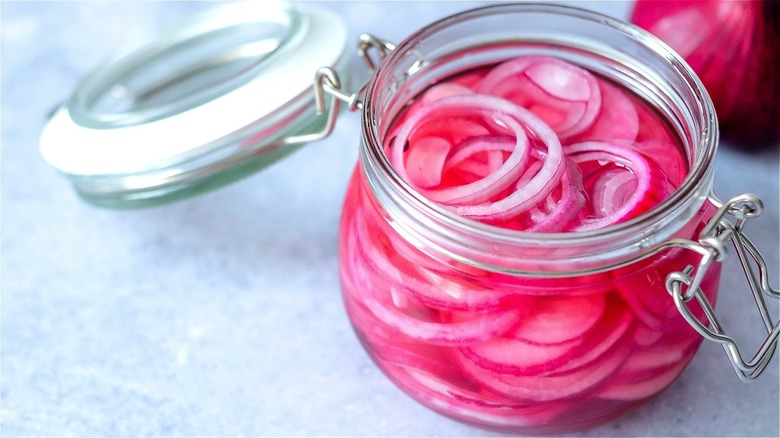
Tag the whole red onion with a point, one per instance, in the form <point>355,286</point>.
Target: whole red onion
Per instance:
<point>734,47</point>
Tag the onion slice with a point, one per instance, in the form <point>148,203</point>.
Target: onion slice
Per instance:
<point>617,120</point>
<point>563,95</point>
<point>621,156</point>
<point>502,115</point>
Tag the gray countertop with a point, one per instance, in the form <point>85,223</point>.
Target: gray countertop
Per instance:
<point>221,314</point>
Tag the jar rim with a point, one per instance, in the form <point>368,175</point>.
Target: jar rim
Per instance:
<point>213,40</point>
<point>700,174</point>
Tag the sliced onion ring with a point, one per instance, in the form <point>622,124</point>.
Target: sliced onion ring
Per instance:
<point>622,156</point>
<point>509,116</point>
<point>568,94</point>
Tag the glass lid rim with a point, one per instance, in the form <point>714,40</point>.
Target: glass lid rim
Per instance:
<point>140,54</point>
<point>256,106</point>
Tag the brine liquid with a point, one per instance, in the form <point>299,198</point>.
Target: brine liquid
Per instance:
<point>507,352</point>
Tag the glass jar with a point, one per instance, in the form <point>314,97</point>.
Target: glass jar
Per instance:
<point>516,331</point>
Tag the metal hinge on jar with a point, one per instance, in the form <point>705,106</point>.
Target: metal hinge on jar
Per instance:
<point>327,81</point>
<point>727,226</point>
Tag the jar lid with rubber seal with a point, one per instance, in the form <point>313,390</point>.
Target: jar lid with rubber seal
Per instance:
<point>222,95</point>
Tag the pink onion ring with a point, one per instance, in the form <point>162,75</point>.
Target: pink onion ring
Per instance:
<point>507,115</point>
<point>563,212</point>
<point>436,291</point>
<point>479,191</point>
<point>622,156</point>
<point>564,95</point>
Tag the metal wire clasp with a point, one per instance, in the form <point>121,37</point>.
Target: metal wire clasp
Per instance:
<point>684,285</point>
<point>367,42</point>
<point>327,81</point>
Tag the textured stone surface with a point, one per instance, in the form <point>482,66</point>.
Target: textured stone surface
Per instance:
<point>221,315</point>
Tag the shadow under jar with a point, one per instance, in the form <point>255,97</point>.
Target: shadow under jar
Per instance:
<point>512,330</point>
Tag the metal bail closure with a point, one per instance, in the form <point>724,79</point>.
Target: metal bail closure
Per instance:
<point>327,81</point>
<point>215,99</point>
<point>684,285</point>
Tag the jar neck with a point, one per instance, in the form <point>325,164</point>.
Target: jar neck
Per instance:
<point>486,36</point>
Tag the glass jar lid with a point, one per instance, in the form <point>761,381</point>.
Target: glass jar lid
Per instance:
<point>196,107</point>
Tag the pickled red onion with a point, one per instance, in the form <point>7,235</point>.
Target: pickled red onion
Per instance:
<point>444,90</point>
<point>504,115</point>
<point>474,145</point>
<point>565,210</point>
<point>483,407</point>
<point>558,321</point>
<point>563,95</point>
<point>478,329</point>
<point>602,340</point>
<point>488,159</point>
<point>437,293</point>
<point>499,349</point>
<point>622,157</point>
<point>617,120</point>
<point>537,188</point>
<point>493,182</point>
<point>536,388</point>
<point>416,323</point>
<point>425,162</point>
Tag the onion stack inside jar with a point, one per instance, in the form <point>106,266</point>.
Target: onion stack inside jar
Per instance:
<point>532,144</point>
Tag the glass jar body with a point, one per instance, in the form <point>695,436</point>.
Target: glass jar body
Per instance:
<point>523,332</point>
<point>482,347</point>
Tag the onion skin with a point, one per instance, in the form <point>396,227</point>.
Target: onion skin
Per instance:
<point>738,60</point>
